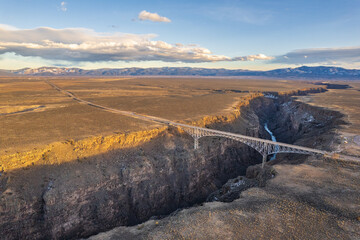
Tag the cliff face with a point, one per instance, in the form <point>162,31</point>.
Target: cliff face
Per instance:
<point>297,122</point>
<point>125,186</point>
<point>122,187</point>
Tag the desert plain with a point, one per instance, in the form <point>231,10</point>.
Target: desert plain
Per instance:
<point>49,140</point>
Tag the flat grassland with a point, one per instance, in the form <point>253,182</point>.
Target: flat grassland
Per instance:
<point>32,113</point>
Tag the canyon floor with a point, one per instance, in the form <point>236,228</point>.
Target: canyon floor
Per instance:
<point>68,170</point>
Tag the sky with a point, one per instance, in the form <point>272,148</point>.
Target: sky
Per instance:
<point>233,34</point>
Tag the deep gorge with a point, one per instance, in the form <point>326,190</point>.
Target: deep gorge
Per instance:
<point>128,186</point>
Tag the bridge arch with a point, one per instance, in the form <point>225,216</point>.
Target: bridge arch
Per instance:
<point>262,146</point>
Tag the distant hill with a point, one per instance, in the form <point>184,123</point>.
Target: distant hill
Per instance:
<point>315,72</point>
<point>6,73</point>
<point>300,72</point>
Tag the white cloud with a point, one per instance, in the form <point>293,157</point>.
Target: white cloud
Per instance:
<point>154,17</point>
<point>63,6</point>
<point>325,56</point>
<point>85,45</point>
<point>7,27</point>
<point>253,57</point>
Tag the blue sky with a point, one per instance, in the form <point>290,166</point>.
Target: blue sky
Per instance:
<point>243,34</point>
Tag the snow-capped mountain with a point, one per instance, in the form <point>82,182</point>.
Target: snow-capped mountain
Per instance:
<point>300,72</point>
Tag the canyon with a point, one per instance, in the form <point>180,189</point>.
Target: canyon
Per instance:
<point>154,173</point>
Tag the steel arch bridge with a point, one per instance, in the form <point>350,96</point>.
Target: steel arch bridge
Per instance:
<point>263,146</point>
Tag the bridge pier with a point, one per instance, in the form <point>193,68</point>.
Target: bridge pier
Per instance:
<point>196,142</point>
<point>264,160</point>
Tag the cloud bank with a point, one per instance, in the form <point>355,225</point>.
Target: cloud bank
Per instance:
<point>154,17</point>
<point>85,45</point>
<point>348,55</point>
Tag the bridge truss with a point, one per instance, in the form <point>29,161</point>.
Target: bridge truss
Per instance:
<point>263,146</point>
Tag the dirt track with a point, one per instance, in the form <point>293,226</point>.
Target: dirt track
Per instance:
<point>23,111</point>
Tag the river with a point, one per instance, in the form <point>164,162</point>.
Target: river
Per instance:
<point>273,138</point>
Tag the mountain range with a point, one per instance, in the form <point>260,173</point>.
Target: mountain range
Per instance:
<point>320,72</point>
